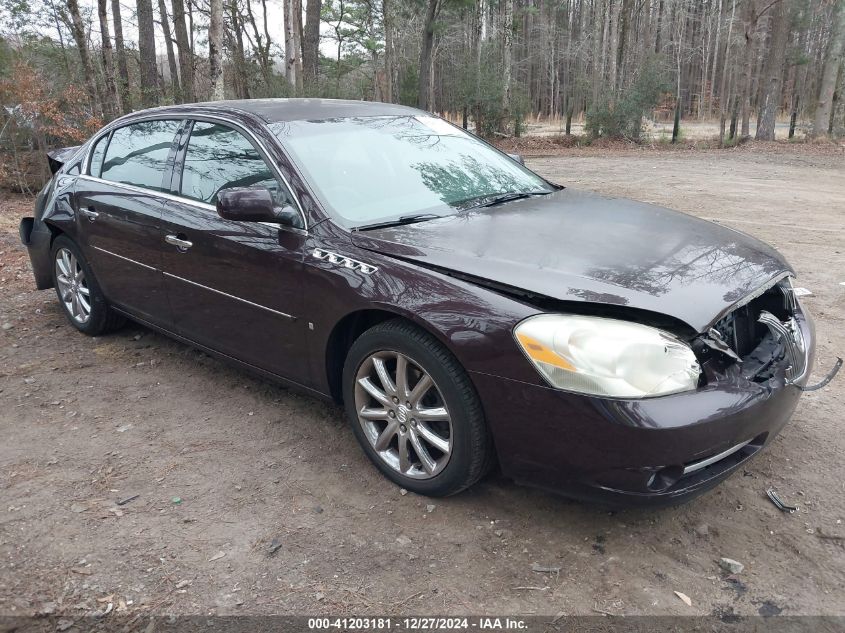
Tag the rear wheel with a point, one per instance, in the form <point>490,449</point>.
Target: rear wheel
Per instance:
<point>78,291</point>
<point>414,410</point>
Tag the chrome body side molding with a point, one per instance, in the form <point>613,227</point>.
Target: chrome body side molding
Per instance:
<point>126,259</point>
<point>226,294</point>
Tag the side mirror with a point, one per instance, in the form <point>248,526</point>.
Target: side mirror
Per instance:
<point>255,204</point>
<point>518,159</point>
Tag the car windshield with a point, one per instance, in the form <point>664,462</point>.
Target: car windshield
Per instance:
<point>369,170</point>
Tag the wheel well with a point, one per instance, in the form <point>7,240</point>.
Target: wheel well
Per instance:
<point>344,334</point>
<point>54,232</point>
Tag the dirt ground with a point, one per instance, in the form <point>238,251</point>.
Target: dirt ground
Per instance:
<point>227,467</point>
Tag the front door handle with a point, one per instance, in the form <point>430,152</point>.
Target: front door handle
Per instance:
<point>90,213</point>
<point>181,244</point>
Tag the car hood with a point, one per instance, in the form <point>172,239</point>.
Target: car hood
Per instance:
<point>577,246</point>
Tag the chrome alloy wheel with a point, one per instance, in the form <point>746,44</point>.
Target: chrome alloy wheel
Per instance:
<point>73,289</point>
<point>403,414</point>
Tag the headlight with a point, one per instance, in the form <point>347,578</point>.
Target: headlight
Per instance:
<point>606,357</point>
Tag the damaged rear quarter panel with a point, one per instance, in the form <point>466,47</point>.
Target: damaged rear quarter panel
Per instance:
<point>54,213</point>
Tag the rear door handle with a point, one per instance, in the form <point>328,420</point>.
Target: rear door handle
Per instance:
<point>90,213</point>
<point>181,244</point>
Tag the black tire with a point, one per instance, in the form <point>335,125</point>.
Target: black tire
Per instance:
<point>102,318</point>
<point>471,454</point>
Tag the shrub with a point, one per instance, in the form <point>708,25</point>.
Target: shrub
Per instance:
<point>621,116</point>
<point>37,117</point>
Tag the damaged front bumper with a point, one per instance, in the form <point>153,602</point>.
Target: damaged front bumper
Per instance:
<point>655,451</point>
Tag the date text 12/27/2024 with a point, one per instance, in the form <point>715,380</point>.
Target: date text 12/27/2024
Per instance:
<point>427,623</point>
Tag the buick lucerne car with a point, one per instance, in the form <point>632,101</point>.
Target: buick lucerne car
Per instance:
<point>466,311</point>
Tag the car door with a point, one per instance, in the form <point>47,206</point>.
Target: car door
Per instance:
<point>120,200</point>
<point>234,287</point>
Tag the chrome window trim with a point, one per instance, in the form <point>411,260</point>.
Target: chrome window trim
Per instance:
<point>192,117</point>
<point>195,203</point>
<point>119,123</point>
<point>148,192</point>
<point>126,259</point>
<point>86,161</point>
<point>109,129</point>
<point>263,150</point>
<point>226,294</point>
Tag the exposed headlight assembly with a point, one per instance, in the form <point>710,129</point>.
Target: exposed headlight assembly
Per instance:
<point>607,357</point>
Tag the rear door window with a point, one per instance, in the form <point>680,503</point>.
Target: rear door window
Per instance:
<point>218,158</point>
<point>137,154</point>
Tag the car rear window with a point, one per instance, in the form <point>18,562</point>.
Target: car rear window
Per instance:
<point>137,154</point>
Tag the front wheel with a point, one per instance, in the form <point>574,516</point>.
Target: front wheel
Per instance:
<point>414,410</point>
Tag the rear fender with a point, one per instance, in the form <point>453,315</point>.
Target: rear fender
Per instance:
<point>54,214</point>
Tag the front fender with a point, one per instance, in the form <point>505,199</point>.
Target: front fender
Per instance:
<point>473,322</point>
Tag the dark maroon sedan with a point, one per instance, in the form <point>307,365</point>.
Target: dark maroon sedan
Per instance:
<point>465,310</point>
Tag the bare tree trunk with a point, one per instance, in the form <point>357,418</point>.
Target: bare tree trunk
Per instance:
<point>297,41</point>
<point>837,117</point>
<point>507,56</point>
<point>476,59</point>
<point>605,37</point>
<point>268,42</point>
<point>748,64</point>
<point>58,24</point>
<point>613,50</point>
<point>290,42</point>
<point>658,45</point>
<point>147,54</point>
<point>77,29</point>
<point>824,107</point>
<point>725,94</point>
<point>425,55</point>
<point>120,51</point>
<point>716,58</point>
<point>111,107</point>
<point>215,50</point>
<point>183,49</point>
<point>676,127</point>
<point>262,43</point>
<point>311,43</point>
<point>389,53</point>
<point>171,55</point>
<point>191,31</point>
<point>773,74</point>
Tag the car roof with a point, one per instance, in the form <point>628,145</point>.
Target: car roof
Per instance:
<point>275,110</point>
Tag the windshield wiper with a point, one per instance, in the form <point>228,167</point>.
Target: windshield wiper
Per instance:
<point>400,221</point>
<point>491,200</point>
